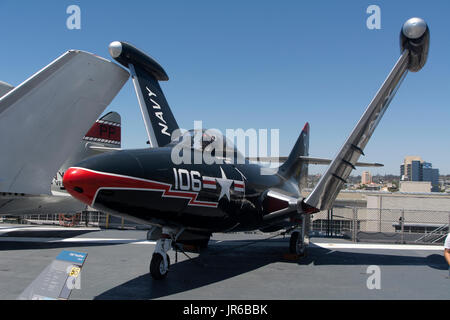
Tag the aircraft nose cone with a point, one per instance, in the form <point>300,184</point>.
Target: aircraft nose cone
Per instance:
<point>79,183</point>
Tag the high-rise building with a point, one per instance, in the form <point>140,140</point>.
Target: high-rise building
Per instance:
<point>410,169</point>
<point>366,178</point>
<point>415,169</point>
<point>432,175</point>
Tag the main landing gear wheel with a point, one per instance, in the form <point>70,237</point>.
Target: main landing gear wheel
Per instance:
<point>158,269</point>
<point>296,244</point>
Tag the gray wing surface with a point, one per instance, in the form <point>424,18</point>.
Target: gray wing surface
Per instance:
<point>414,43</point>
<point>42,119</point>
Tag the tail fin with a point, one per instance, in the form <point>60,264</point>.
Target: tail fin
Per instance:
<point>146,72</point>
<point>42,119</point>
<point>294,166</point>
<point>105,133</point>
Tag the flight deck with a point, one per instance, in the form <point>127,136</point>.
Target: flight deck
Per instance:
<point>235,266</point>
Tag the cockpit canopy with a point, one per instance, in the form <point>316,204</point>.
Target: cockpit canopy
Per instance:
<point>207,140</point>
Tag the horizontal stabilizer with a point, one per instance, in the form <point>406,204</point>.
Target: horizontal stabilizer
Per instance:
<point>310,160</point>
<point>44,118</point>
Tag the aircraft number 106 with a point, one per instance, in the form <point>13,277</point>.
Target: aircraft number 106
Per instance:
<point>187,180</point>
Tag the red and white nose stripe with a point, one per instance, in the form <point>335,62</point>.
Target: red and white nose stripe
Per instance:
<point>82,184</point>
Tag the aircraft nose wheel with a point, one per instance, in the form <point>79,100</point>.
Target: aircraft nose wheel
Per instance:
<point>158,267</point>
<point>160,263</point>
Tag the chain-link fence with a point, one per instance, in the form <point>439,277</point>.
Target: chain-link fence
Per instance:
<point>383,225</point>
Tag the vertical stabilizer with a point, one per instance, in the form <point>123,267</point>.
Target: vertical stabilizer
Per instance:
<point>295,167</point>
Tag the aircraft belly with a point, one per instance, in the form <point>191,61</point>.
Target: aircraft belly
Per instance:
<point>155,208</point>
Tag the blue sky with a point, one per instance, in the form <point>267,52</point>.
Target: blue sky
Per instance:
<point>259,64</point>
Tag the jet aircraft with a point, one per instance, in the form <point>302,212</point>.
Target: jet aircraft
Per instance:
<point>190,201</point>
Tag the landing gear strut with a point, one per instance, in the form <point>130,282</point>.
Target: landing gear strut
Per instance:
<point>298,240</point>
<point>296,243</point>
<point>160,263</point>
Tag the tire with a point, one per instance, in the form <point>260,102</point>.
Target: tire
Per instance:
<point>296,245</point>
<point>156,266</point>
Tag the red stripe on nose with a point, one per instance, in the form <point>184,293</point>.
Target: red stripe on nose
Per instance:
<point>81,184</point>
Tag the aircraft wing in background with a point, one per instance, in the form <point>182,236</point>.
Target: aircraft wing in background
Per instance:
<point>414,40</point>
<point>42,119</point>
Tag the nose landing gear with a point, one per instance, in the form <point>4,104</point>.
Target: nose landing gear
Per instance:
<point>159,266</point>
<point>160,263</point>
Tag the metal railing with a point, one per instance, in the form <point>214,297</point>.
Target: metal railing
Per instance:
<point>382,225</point>
<point>355,223</point>
<point>83,219</point>
<point>86,218</point>
<point>436,235</point>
